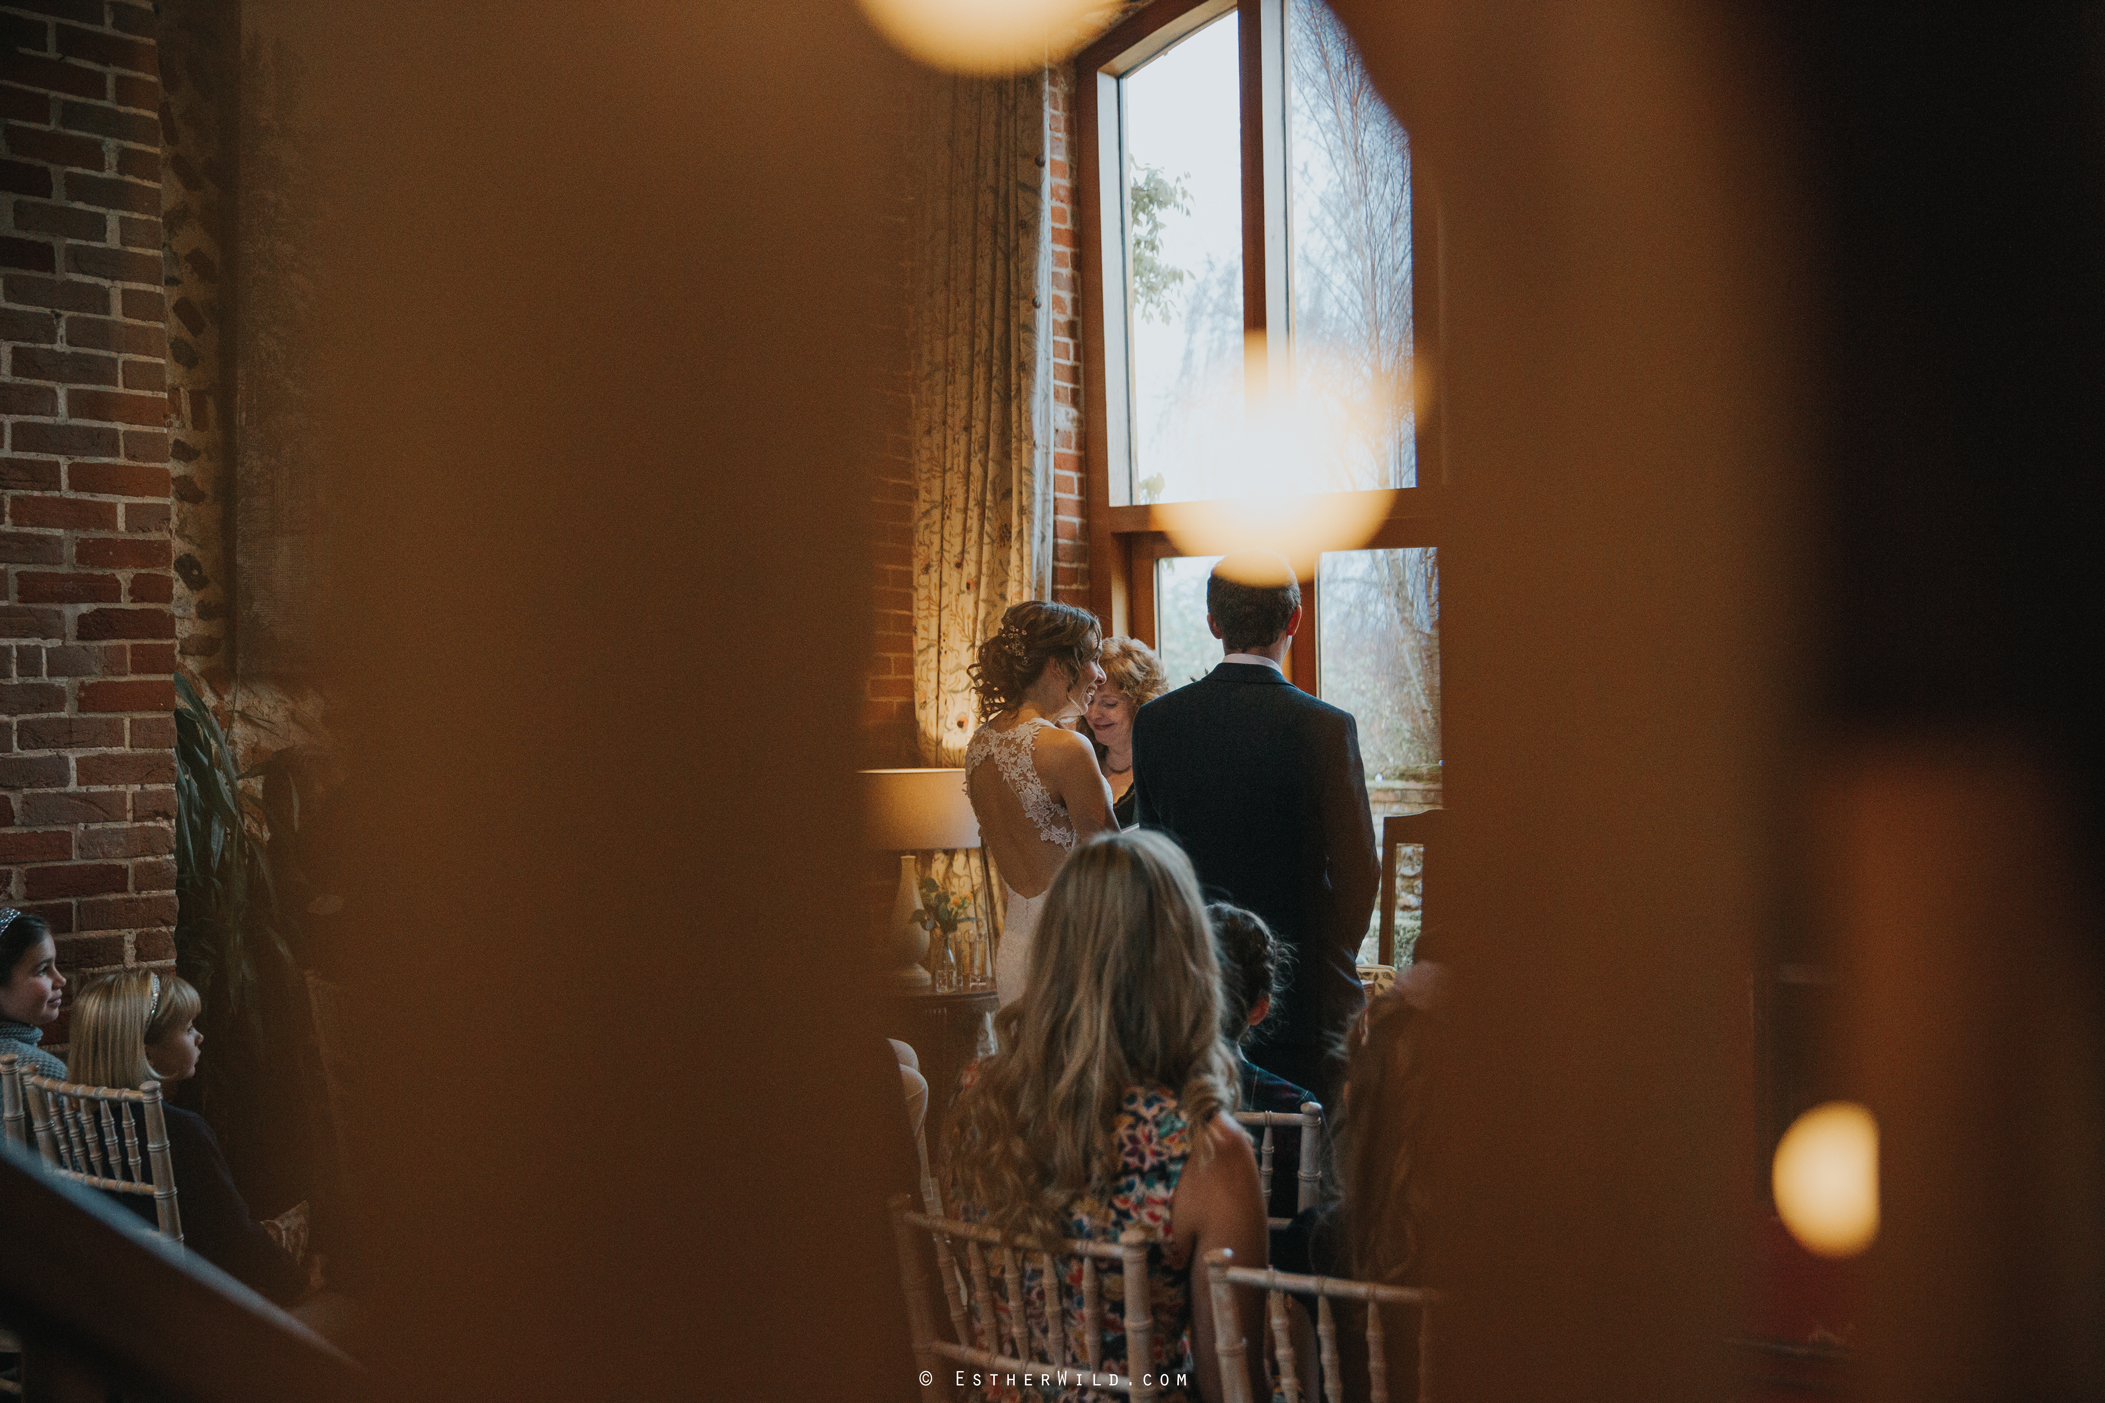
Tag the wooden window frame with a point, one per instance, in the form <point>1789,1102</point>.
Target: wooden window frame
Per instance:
<point>1126,539</point>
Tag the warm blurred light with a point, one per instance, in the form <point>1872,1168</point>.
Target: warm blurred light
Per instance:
<point>988,36</point>
<point>1826,1179</point>
<point>1286,460</point>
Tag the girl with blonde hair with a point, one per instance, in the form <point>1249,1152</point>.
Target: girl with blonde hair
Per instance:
<point>137,1026</point>
<point>1108,1109</point>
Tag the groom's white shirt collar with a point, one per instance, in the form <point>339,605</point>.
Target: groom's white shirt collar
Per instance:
<point>1258,658</point>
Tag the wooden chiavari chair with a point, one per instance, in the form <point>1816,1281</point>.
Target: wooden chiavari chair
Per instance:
<point>14,1123</point>
<point>985,1341</point>
<point>87,1134</point>
<point>1223,1276</point>
<point>1310,1121</point>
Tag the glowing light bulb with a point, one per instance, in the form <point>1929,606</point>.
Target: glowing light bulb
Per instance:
<point>1825,1177</point>
<point>988,36</point>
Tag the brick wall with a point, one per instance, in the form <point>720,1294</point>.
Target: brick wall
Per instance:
<point>888,689</point>
<point>87,634</point>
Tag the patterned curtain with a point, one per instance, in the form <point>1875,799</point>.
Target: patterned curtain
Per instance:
<point>982,384</point>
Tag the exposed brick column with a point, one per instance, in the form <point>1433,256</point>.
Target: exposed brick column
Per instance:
<point>87,647</point>
<point>1070,487</point>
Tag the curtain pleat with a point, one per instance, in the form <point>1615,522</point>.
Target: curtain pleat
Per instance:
<point>981,385</point>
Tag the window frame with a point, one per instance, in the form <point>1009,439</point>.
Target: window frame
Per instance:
<point>1126,538</point>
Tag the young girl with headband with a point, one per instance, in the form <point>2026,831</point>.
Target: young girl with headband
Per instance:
<point>138,1026</point>
<point>30,990</point>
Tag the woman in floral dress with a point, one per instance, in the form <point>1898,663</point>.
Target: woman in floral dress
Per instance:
<point>1110,1109</point>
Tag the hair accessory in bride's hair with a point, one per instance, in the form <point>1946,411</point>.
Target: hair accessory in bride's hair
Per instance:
<point>153,1005</point>
<point>7,916</point>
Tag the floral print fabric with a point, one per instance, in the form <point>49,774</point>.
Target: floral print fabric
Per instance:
<point>1154,1143</point>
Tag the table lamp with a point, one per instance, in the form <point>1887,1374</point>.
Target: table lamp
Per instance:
<point>911,812</point>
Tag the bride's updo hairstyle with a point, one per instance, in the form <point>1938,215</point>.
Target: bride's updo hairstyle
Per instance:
<point>1033,635</point>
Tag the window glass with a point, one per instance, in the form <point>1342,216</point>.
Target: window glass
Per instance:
<point>1182,129</point>
<point>1349,181</point>
<point>1187,647</point>
<point>1380,660</point>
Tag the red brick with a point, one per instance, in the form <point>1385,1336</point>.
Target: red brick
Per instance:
<point>25,105</point>
<point>103,121</point>
<point>65,294</point>
<point>69,733</point>
<point>891,687</point>
<point>154,946</point>
<point>146,306</point>
<point>127,767</point>
<point>68,367</point>
<point>125,912</point>
<point>124,623</point>
<point>58,148</point>
<point>153,874</point>
<point>133,232</point>
<point>85,952</point>
<point>17,846</point>
<point>119,265</point>
<point>142,94</point>
<point>137,163</point>
<point>114,406</point>
<point>150,588</point>
<point>64,440</point>
<point>73,661</point>
<point>97,698</point>
<point>153,803</point>
<point>127,840</point>
<point>31,548</point>
<point>151,658</point>
<point>50,808</point>
<point>54,76</point>
<point>153,732</point>
<point>31,623</point>
<point>146,516</point>
<point>75,879</point>
<point>116,552</point>
<point>150,375</point>
<point>35,772</point>
<point>62,513</point>
<point>41,588</point>
<point>107,334</point>
<point>26,474</point>
<point>147,446</point>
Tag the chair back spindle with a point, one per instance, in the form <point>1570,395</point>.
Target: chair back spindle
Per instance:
<point>1223,1276</point>
<point>85,1133</point>
<point>982,1340</point>
<point>14,1120</point>
<point>1309,1171</point>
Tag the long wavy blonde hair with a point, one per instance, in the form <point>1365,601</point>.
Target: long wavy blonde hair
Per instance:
<point>117,1017</point>
<point>1124,990</point>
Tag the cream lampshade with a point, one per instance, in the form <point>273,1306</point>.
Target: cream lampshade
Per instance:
<point>910,812</point>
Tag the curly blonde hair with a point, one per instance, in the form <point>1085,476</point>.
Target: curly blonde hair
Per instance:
<point>1124,991</point>
<point>1131,667</point>
<point>1032,636</point>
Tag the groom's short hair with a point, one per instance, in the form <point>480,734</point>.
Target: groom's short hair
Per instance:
<point>1251,595</point>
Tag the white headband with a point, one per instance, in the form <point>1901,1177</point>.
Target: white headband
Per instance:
<point>154,1006</point>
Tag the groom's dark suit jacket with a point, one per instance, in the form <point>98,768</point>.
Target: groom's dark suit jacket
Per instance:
<point>1261,784</point>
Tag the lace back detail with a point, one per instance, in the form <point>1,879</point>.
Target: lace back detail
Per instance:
<point>1011,752</point>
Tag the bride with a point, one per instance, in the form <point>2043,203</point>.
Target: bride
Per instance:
<point>1044,792</point>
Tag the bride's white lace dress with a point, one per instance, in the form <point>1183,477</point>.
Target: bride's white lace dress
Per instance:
<point>1011,752</point>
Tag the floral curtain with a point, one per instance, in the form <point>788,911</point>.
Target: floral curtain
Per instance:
<point>982,384</point>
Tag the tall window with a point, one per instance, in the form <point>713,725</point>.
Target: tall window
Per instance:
<point>1257,305</point>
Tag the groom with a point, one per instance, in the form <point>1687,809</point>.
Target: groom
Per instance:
<point>1261,784</point>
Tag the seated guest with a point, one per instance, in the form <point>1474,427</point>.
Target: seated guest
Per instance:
<point>138,1026</point>
<point>1252,970</point>
<point>1107,1108</point>
<point>31,991</point>
<point>1133,677</point>
<point>1376,1231</point>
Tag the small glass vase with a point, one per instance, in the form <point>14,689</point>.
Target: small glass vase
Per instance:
<point>979,964</point>
<point>949,976</point>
